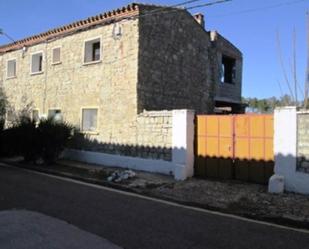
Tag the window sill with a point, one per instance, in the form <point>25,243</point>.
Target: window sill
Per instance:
<point>12,77</point>
<point>36,73</point>
<point>56,63</point>
<point>92,63</point>
<point>228,83</point>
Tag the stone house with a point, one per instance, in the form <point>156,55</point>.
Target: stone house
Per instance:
<point>111,75</point>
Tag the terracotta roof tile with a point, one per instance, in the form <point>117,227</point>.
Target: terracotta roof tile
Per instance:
<point>103,18</point>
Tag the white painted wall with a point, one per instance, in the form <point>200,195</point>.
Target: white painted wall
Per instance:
<point>285,149</point>
<point>181,166</point>
<point>183,143</point>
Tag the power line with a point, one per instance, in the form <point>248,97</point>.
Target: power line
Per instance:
<point>164,10</point>
<point>6,35</point>
<point>208,4</point>
<point>168,8</point>
<point>261,8</point>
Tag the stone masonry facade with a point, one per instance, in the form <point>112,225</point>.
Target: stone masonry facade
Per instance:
<point>158,62</point>
<point>153,138</point>
<point>303,142</point>
<point>167,77</point>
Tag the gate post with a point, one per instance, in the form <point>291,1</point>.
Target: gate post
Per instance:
<point>183,144</point>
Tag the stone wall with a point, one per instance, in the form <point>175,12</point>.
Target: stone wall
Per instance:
<point>153,138</point>
<point>174,63</point>
<point>154,131</point>
<point>109,85</point>
<point>303,142</point>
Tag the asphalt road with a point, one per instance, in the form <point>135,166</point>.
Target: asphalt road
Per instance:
<point>136,223</point>
<point>20,229</point>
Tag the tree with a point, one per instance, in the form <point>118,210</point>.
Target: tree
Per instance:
<point>3,107</point>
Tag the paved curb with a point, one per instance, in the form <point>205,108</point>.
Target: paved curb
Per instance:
<point>279,220</point>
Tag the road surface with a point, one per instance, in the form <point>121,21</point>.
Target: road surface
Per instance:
<point>132,222</point>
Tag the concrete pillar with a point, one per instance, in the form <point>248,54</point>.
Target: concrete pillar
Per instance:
<point>285,149</point>
<point>183,144</point>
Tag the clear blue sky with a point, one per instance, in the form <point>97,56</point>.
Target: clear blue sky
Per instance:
<point>253,32</point>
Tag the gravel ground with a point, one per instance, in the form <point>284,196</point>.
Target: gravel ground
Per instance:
<point>239,198</point>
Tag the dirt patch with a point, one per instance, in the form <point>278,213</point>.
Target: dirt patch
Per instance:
<point>246,199</point>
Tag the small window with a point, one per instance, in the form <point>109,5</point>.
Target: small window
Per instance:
<point>35,116</point>
<point>37,63</point>
<point>11,69</point>
<point>89,119</point>
<point>92,51</point>
<point>10,116</point>
<point>228,70</point>
<point>56,55</point>
<point>55,114</point>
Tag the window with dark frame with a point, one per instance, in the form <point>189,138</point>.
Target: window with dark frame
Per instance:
<point>228,70</point>
<point>92,51</point>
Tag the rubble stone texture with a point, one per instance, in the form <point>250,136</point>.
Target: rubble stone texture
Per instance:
<point>303,142</point>
<point>159,62</point>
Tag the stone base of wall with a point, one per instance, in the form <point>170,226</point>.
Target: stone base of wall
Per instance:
<point>135,163</point>
<point>153,138</point>
<point>174,130</point>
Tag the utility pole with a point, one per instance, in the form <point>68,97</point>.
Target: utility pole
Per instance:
<point>307,71</point>
<point>294,66</point>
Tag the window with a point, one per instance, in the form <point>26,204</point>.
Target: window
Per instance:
<point>10,116</point>
<point>228,70</point>
<point>89,119</point>
<point>35,116</point>
<point>37,63</point>
<point>54,114</point>
<point>56,55</point>
<point>11,68</point>
<point>92,51</point>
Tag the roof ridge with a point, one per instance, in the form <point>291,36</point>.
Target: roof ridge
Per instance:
<point>125,11</point>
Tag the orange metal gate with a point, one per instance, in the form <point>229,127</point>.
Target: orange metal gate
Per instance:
<point>235,147</point>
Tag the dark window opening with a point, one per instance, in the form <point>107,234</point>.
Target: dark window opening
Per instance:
<point>37,63</point>
<point>96,51</point>
<point>228,70</point>
<point>92,51</point>
<point>55,114</point>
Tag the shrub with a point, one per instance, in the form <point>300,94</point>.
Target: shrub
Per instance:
<point>21,139</point>
<point>53,137</point>
<point>25,138</point>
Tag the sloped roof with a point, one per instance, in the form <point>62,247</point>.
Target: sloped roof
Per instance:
<point>101,19</point>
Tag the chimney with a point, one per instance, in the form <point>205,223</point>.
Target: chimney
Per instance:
<point>199,17</point>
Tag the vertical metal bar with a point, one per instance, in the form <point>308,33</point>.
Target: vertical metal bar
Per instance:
<point>206,152</point>
<point>233,144</point>
<point>218,147</point>
<point>264,147</point>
